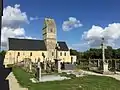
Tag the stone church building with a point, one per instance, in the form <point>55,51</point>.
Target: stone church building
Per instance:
<point>47,49</point>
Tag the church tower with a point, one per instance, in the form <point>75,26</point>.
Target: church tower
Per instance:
<point>49,36</point>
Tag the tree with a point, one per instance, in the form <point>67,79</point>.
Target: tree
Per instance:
<point>3,53</point>
<point>108,52</point>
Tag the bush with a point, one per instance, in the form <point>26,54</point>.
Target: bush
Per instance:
<point>10,65</point>
<point>72,76</point>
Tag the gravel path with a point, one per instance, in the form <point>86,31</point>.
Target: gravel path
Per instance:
<point>82,73</point>
<point>116,76</point>
<point>13,84</point>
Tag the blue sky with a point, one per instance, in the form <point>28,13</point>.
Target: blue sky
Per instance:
<point>90,13</point>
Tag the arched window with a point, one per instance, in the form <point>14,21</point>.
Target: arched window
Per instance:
<point>60,53</point>
<point>65,54</point>
<point>31,54</point>
<point>18,53</point>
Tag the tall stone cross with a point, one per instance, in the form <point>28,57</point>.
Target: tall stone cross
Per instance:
<point>58,60</point>
<point>105,63</point>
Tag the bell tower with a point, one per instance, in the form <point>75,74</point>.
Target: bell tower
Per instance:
<point>49,36</point>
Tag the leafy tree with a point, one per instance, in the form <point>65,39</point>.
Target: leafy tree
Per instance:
<point>3,53</point>
<point>108,52</point>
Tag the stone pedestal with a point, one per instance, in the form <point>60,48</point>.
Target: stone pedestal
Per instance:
<point>105,67</point>
<point>106,71</point>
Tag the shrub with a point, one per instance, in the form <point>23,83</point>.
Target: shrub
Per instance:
<point>10,65</point>
<point>72,76</point>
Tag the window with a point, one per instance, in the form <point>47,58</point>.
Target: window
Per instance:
<point>52,53</point>
<point>60,53</point>
<point>42,54</point>
<point>9,53</point>
<point>65,54</point>
<point>31,54</point>
<point>18,53</point>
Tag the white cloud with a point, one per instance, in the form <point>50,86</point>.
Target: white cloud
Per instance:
<point>71,24</point>
<point>111,33</point>
<point>34,18</point>
<point>12,19</point>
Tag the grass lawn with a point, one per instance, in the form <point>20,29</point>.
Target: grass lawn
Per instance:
<point>81,83</point>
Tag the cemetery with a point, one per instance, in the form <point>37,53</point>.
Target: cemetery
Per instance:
<point>57,74</point>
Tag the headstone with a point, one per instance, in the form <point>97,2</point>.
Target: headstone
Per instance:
<point>30,66</point>
<point>39,68</point>
<point>45,64</point>
<point>58,64</point>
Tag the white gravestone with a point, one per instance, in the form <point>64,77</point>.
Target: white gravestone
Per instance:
<point>39,71</point>
<point>30,67</point>
<point>59,66</point>
<point>45,64</point>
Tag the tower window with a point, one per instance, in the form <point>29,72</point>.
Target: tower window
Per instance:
<point>18,53</point>
<point>65,54</point>
<point>31,54</point>
<point>60,53</point>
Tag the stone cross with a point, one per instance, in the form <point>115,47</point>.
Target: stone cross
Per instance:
<point>58,60</point>
<point>105,64</point>
<point>39,66</point>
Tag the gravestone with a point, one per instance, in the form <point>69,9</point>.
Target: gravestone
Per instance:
<point>39,71</point>
<point>58,64</point>
<point>30,66</point>
<point>4,72</point>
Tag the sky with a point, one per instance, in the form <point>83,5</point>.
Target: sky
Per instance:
<point>80,23</point>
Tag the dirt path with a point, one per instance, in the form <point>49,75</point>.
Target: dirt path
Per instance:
<point>13,84</point>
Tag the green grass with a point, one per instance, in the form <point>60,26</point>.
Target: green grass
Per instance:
<point>81,83</point>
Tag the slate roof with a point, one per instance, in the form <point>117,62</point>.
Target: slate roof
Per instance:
<point>63,46</point>
<point>33,45</point>
<point>26,44</point>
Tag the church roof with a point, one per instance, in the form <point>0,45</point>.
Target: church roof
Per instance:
<point>26,44</point>
<point>63,46</point>
<point>33,45</point>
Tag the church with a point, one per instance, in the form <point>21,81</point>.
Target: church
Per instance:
<point>47,49</point>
